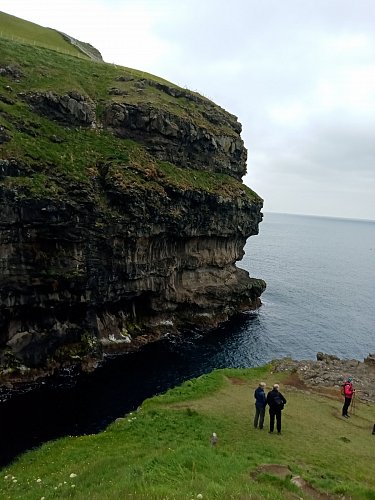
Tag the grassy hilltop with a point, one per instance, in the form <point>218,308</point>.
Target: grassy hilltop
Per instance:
<point>57,158</point>
<point>17,29</point>
<point>163,449</point>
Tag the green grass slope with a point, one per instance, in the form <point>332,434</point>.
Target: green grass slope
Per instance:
<point>58,157</point>
<point>163,450</point>
<point>14,28</point>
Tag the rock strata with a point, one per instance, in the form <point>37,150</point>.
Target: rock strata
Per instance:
<point>176,139</point>
<point>71,109</point>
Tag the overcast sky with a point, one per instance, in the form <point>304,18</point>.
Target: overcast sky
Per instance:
<point>299,74</point>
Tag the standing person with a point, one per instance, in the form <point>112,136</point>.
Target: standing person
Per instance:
<point>276,402</point>
<point>348,392</point>
<point>260,405</point>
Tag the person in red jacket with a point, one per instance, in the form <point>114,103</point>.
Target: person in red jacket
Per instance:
<point>348,393</point>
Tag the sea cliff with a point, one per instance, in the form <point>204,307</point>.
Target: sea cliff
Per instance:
<point>122,212</point>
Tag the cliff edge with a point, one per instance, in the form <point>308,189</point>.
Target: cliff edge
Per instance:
<point>122,212</point>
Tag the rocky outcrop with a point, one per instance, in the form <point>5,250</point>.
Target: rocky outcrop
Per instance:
<point>128,228</point>
<point>167,136</point>
<point>4,135</point>
<point>331,372</point>
<point>14,72</point>
<point>177,139</point>
<point>84,47</point>
<point>70,109</point>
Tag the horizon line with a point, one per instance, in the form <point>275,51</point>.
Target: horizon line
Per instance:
<point>320,216</point>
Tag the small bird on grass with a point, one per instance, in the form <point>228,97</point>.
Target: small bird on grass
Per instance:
<point>213,439</point>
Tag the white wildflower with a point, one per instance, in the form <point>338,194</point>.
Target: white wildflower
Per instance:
<point>199,495</point>
<point>73,475</point>
<point>38,480</point>
<point>14,480</point>
<point>73,485</point>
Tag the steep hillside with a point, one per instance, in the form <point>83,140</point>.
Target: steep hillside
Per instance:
<point>17,29</point>
<point>122,211</point>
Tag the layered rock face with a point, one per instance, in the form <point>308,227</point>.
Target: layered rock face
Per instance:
<point>68,274</point>
<point>179,140</point>
<point>110,267</point>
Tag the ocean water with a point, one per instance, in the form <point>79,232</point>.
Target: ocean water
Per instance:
<point>320,296</point>
<point>320,275</point>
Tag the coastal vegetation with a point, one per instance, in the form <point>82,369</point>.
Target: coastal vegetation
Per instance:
<point>54,155</point>
<point>163,449</point>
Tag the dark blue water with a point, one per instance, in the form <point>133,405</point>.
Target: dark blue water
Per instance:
<point>320,275</point>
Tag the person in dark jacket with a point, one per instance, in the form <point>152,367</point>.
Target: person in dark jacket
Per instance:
<point>276,402</point>
<point>260,405</point>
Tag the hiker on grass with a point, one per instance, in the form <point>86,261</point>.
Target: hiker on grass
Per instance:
<point>348,392</point>
<point>276,402</point>
<point>260,405</point>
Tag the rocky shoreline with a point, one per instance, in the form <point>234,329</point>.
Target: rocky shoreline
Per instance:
<point>330,371</point>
